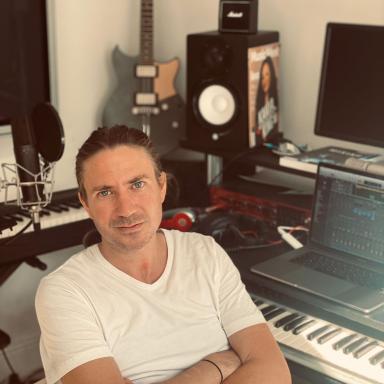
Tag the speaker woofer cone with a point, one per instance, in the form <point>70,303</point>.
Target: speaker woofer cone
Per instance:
<point>216,105</point>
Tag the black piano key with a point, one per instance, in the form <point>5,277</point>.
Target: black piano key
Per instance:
<point>64,207</point>
<point>73,204</point>
<point>8,220</point>
<point>258,302</point>
<point>355,345</point>
<point>294,323</point>
<point>318,332</point>
<point>267,309</point>
<point>54,208</point>
<point>44,212</point>
<point>328,336</point>
<point>286,319</point>
<point>302,327</point>
<point>14,216</point>
<point>24,214</point>
<point>344,341</point>
<point>364,349</point>
<point>270,315</point>
<point>377,358</point>
<point>6,224</point>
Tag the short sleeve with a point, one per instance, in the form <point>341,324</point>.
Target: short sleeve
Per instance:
<point>237,310</point>
<point>70,332</point>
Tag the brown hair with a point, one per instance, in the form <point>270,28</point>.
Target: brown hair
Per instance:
<point>108,138</point>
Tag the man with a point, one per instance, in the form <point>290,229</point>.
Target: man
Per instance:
<point>147,305</point>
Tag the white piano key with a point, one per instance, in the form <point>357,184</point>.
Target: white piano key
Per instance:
<point>48,221</point>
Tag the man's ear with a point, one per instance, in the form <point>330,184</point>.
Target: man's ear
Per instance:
<point>83,202</point>
<point>163,185</point>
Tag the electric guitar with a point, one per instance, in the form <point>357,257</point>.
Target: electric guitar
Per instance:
<point>145,97</point>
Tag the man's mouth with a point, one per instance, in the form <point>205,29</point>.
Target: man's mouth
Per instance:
<point>130,226</point>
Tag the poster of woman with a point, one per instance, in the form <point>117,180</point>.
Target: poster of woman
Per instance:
<point>263,65</point>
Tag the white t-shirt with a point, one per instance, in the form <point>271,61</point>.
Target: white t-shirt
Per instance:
<point>88,309</point>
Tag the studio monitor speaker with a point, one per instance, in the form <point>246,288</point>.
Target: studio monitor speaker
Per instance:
<point>222,77</point>
<point>238,16</point>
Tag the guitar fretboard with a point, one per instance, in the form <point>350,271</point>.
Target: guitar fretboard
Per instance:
<point>146,35</point>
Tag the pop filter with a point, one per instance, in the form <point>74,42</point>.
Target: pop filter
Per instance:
<point>48,131</point>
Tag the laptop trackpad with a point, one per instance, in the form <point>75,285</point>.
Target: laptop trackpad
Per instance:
<point>311,280</point>
<point>344,292</point>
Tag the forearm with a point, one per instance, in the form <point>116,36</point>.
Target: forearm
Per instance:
<point>261,357</point>
<point>254,371</point>
<point>205,372</point>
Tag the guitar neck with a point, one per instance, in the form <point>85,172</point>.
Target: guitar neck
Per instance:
<point>146,32</point>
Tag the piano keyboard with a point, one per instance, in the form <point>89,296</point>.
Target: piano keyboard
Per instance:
<point>63,224</point>
<point>332,350</point>
<point>55,214</point>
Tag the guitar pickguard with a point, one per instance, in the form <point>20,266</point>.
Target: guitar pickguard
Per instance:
<point>166,128</point>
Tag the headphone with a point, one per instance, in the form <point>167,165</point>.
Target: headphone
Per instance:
<point>232,229</point>
<point>229,229</point>
<point>179,218</point>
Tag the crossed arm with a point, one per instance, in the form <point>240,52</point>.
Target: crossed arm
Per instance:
<point>254,358</point>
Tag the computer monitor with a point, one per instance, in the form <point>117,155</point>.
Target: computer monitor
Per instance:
<point>351,94</point>
<point>24,63</point>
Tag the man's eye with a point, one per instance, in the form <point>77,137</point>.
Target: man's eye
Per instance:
<point>138,184</point>
<point>104,193</point>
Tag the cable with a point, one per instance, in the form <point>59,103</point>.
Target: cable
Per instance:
<point>230,161</point>
<point>250,247</point>
<point>8,362</point>
<point>11,239</point>
<point>288,237</point>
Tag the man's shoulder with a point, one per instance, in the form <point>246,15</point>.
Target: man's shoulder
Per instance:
<point>72,269</point>
<point>187,237</point>
<point>192,245</point>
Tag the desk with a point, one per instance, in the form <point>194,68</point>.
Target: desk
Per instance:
<point>261,156</point>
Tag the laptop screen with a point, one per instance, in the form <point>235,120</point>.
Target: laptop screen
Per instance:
<point>348,212</point>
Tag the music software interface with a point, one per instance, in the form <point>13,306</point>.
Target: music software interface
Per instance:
<point>349,214</point>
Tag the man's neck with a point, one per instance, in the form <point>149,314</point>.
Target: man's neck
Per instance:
<point>146,264</point>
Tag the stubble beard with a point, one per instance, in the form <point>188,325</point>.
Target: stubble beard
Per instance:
<point>127,242</point>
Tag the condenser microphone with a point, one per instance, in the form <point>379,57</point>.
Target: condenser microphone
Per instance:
<point>28,165</point>
<point>38,142</point>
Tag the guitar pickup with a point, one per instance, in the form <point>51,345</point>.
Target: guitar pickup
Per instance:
<point>146,71</point>
<point>146,99</point>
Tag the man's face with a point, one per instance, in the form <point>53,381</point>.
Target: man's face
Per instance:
<point>266,78</point>
<point>124,197</point>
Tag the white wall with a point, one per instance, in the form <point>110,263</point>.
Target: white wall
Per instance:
<point>85,32</point>
<point>302,27</point>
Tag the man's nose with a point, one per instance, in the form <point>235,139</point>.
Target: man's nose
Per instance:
<point>125,205</point>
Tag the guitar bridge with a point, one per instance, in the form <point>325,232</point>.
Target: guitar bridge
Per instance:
<point>145,110</point>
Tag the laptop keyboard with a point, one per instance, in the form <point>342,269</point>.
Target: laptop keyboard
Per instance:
<point>337,268</point>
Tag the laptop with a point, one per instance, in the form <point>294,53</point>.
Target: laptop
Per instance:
<point>343,260</point>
